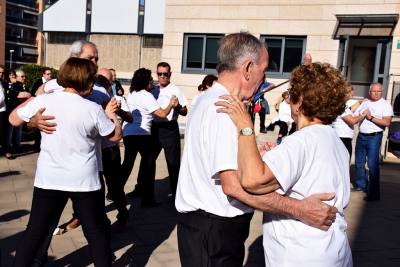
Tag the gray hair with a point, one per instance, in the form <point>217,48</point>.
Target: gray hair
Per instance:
<point>375,83</point>
<point>19,73</point>
<point>235,49</point>
<point>76,47</point>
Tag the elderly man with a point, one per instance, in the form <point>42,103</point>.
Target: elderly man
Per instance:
<point>379,115</point>
<point>214,210</point>
<point>307,59</point>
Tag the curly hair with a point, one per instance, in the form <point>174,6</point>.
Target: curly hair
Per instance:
<point>140,80</point>
<point>321,89</point>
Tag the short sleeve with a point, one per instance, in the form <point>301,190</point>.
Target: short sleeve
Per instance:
<point>103,124</point>
<point>224,145</point>
<point>287,161</point>
<point>28,111</point>
<point>149,102</point>
<point>181,97</point>
<point>388,111</point>
<point>347,112</point>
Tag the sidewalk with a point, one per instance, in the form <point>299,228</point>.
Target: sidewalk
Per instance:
<point>373,227</point>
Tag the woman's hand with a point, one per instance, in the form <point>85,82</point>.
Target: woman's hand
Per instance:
<point>111,108</point>
<point>267,147</point>
<point>236,110</point>
<point>174,101</point>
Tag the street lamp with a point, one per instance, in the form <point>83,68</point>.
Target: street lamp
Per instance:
<point>11,51</point>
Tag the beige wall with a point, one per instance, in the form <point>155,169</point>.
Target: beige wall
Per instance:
<point>120,52</point>
<point>314,19</point>
<point>2,30</point>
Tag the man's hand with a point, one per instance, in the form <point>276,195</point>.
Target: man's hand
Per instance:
<point>317,214</point>
<point>40,122</point>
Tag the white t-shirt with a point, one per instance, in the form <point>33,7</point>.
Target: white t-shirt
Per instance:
<point>285,113</point>
<point>342,128</point>
<point>196,97</point>
<point>379,109</point>
<point>164,97</point>
<point>142,104</point>
<point>67,160</point>
<point>53,85</point>
<point>310,161</point>
<point>211,146</point>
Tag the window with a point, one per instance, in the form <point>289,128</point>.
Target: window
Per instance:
<point>153,41</point>
<point>200,53</point>
<point>65,37</point>
<point>285,53</point>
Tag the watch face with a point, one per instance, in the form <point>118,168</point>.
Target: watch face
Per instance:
<point>247,131</point>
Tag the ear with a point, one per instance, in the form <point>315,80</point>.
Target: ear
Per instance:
<point>246,67</point>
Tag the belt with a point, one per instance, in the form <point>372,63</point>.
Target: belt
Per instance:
<point>237,219</point>
<point>370,134</point>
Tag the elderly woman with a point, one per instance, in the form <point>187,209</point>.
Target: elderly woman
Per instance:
<point>137,135</point>
<point>315,161</point>
<point>67,163</point>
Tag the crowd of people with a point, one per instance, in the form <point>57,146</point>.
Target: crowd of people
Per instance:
<point>82,115</point>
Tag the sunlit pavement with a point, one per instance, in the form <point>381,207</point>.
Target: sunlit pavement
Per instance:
<point>373,227</point>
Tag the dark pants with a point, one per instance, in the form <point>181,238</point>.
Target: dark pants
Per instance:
<point>348,145</point>
<point>262,117</point>
<point>3,131</point>
<point>47,206</point>
<point>166,136</point>
<point>283,128</point>
<point>111,158</point>
<point>142,144</point>
<point>208,242</point>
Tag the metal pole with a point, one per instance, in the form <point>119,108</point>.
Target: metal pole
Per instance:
<point>11,51</point>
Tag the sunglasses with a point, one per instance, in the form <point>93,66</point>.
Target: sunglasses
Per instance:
<point>166,74</point>
<point>23,76</point>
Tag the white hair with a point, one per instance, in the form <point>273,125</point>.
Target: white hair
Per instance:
<point>76,47</point>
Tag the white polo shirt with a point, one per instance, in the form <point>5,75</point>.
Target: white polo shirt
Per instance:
<point>379,109</point>
<point>211,146</point>
<point>163,97</point>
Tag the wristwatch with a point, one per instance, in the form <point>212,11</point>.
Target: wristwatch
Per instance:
<point>371,118</point>
<point>246,132</point>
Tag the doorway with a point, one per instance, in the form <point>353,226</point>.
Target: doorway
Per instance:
<point>364,61</point>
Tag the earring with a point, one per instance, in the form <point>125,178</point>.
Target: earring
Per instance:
<point>297,110</point>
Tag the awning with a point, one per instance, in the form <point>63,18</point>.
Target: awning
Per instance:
<point>29,51</point>
<point>365,25</point>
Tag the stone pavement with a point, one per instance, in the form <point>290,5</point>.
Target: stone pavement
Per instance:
<point>373,227</point>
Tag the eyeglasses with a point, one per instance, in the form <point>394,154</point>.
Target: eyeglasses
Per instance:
<point>376,92</point>
<point>22,76</point>
<point>166,74</point>
<point>48,73</point>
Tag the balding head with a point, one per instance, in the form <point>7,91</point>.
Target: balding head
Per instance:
<point>104,78</point>
<point>307,59</point>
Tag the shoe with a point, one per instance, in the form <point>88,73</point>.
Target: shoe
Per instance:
<point>135,193</point>
<point>357,190</point>
<point>11,157</point>
<point>109,197</point>
<point>123,226</point>
<point>113,257</point>
<point>372,198</point>
<point>278,141</point>
<point>263,130</point>
<point>74,223</point>
<point>150,204</point>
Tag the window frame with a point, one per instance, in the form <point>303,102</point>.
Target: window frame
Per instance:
<point>201,70</point>
<point>280,73</point>
<point>67,37</point>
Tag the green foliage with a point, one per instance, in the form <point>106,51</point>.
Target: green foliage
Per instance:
<point>34,72</point>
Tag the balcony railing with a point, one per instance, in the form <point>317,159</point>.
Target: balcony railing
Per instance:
<point>32,4</point>
<point>18,39</point>
<point>28,22</point>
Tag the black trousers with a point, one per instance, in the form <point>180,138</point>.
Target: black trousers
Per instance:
<point>262,117</point>
<point>283,128</point>
<point>47,206</point>
<point>208,242</point>
<point>3,131</point>
<point>166,136</point>
<point>111,157</point>
<point>348,145</point>
<point>147,174</point>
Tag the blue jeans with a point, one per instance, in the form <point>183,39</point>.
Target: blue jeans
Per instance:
<point>368,147</point>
